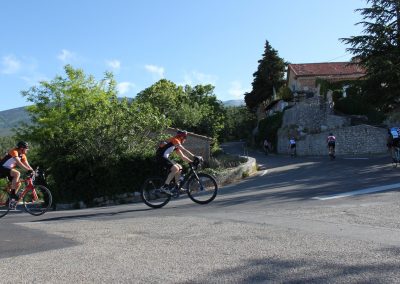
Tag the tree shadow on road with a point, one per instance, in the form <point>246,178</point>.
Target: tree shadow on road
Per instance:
<point>305,270</point>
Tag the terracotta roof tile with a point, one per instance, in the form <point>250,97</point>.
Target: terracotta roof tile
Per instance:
<point>330,68</point>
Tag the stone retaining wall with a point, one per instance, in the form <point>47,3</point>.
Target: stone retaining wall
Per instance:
<point>353,140</point>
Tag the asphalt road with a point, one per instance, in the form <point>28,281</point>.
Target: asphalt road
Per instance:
<point>299,220</point>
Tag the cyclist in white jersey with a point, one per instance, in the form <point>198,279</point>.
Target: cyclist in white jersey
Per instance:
<point>393,139</point>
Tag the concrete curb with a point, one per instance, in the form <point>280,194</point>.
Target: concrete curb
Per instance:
<point>244,170</point>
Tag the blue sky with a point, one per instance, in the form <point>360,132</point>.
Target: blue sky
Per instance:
<point>216,42</point>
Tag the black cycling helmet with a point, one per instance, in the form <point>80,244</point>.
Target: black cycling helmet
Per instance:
<point>22,144</point>
<point>181,133</point>
<point>331,134</point>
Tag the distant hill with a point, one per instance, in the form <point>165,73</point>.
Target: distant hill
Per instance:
<point>12,118</point>
<point>234,103</point>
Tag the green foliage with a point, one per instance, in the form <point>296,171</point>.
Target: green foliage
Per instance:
<point>378,50</point>
<point>285,93</point>
<point>268,128</point>
<point>357,105</point>
<point>195,109</point>
<point>352,87</point>
<point>269,75</point>
<point>83,132</point>
<point>6,143</point>
<point>238,123</point>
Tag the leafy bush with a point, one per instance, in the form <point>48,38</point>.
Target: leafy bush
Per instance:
<point>268,127</point>
<point>356,105</point>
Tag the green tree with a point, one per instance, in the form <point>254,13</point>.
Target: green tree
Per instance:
<point>83,131</point>
<point>269,76</point>
<point>378,50</point>
<point>238,123</point>
<point>195,109</point>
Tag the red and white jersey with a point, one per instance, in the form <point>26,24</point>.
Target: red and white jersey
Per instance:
<point>166,149</point>
<point>331,138</point>
<point>9,160</point>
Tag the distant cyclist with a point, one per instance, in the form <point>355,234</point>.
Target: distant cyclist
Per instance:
<point>15,157</point>
<point>292,146</point>
<point>393,140</point>
<point>331,141</point>
<point>173,144</point>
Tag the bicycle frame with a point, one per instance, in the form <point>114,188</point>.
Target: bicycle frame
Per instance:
<point>29,187</point>
<point>192,171</point>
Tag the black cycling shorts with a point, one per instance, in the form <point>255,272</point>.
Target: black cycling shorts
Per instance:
<point>5,173</point>
<point>396,142</point>
<point>165,162</point>
<point>331,144</point>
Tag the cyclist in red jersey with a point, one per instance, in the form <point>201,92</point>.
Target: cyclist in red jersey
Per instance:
<point>174,144</point>
<point>15,157</point>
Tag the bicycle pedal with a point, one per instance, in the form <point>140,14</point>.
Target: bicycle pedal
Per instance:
<point>12,205</point>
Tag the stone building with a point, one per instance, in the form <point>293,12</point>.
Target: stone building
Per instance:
<point>302,77</point>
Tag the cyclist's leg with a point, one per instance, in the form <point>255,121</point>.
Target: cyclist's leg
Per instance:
<point>14,175</point>
<point>172,169</point>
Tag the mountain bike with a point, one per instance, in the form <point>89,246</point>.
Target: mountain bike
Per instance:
<point>201,188</point>
<point>396,156</point>
<point>34,198</point>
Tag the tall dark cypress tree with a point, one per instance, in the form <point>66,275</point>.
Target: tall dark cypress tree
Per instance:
<point>269,75</point>
<point>378,50</point>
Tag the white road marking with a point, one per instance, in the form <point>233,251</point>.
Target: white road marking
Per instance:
<point>358,192</point>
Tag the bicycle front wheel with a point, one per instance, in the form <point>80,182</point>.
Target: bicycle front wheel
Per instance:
<point>203,189</point>
<point>4,199</point>
<point>151,193</point>
<point>38,200</point>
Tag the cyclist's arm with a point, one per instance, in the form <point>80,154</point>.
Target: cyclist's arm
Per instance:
<point>183,156</point>
<point>23,164</point>
<point>183,149</point>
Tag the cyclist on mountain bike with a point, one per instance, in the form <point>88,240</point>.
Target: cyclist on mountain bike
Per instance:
<point>393,139</point>
<point>331,141</point>
<point>173,144</point>
<point>15,157</point>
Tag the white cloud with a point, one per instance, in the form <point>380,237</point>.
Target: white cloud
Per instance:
<point>236,90</point>
<point>125,87</point>
<point>198,78</point>
<point>10,65</point>
<point>114,64</point>
<point>66,56</point>
<point>155,70</point>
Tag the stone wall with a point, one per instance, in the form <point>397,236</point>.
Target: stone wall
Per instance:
<point>312,120</point>
<point>313,116</point>
<point>196,144</point>
<point>352,140</point>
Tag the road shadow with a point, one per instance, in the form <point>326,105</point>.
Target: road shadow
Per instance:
<point>311,269</point>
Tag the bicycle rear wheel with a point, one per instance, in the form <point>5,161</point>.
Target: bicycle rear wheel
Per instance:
<point>202,190</point>
<point>37,201</point>
<point>151,193</point>
<point>4,199</point>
